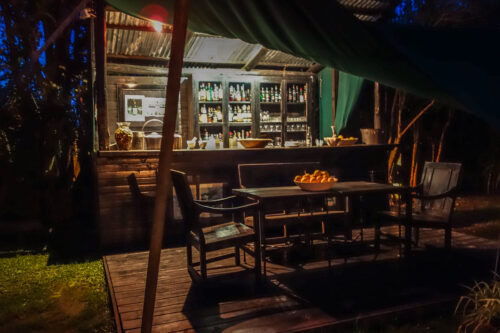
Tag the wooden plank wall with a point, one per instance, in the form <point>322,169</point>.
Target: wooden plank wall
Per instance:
<point>120,227</point>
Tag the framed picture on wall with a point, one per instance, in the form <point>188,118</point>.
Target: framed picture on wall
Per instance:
<point>142,103</point>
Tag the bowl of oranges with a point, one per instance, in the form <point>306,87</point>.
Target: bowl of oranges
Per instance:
<point>340,141</point>
<point>319,180</point>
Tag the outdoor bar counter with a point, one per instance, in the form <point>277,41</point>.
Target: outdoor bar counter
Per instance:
<point>120,222</point>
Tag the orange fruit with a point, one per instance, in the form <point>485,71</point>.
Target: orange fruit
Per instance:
<point>297,178</point>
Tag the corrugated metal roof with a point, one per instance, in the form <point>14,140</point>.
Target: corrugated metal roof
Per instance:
<point>126,36</point>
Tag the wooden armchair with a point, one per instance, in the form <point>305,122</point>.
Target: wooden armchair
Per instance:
<point>206,237</point>
<point>143,204</point>
<point>434,201</point>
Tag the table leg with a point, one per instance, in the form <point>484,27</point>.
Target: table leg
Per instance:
<point>260,251</point>
<point>347,218</point>
<point>408,222</point>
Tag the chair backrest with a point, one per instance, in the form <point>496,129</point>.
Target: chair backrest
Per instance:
<point>438,178</point>
<point>272,174</point>
<point>134,186</point>
<point>143,203</point>
<point>184,197</point>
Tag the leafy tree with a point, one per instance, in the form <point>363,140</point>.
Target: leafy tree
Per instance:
<point>45,118</point>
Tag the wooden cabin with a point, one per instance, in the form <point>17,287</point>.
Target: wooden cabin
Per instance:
<point>230,90</point>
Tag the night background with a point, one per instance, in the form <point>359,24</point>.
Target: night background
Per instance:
<point>52,278</point>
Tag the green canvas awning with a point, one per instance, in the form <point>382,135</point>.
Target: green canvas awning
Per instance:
<point>457,67</point>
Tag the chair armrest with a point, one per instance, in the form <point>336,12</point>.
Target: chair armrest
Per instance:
<point>216,210</point>
<point>450,193</point>
<point>216,201</point>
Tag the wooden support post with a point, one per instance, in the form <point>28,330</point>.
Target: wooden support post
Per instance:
<point>100,60</point>
<point>377,121</point>
<point>181,10</point>
<point>335,81</point>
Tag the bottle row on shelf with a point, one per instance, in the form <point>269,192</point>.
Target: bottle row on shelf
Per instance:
<point>239,92</point>
<point>296,94</point>
<point>270,94</point>
<point>210,114</point>
<point>206,136</point>
<point>276,128</point>
<point>296,119</point>
<point>210,92</point>
<point>240,134</point>
<point>240,113</point>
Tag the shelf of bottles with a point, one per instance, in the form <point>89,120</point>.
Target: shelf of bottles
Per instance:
<point>239,104</point>
<point>296,128</point>
<point>210,96</point>
<point>211,117</point>
<point>239,111</point>
<point>270,109</point>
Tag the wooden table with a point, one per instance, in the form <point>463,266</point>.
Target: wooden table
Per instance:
<point>345,190</point>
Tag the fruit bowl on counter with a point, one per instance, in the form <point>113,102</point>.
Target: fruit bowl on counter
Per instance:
<point>340,141</point>
<point>254,143</point>
<point>317,181</point>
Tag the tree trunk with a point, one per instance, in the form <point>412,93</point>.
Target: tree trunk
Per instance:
<point>414,155</point>
<point>443,133</point>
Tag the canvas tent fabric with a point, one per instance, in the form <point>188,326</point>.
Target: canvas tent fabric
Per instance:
<point>325,102</point>
<point>349,88</point>
<point>457,67</point>
<point>348,93</point>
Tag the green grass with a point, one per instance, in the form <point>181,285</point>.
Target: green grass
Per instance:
<point>39,297</point>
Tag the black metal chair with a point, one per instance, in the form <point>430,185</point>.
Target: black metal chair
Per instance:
<point>206,237</point>
<point>434,201</point>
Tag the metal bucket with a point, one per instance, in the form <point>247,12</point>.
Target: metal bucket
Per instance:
<point>153,139</point>
<point>371,136</point>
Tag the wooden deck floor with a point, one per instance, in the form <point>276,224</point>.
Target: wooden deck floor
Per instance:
<point>364,285</point>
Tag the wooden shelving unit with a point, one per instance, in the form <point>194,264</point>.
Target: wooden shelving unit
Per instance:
<point>266,97</point>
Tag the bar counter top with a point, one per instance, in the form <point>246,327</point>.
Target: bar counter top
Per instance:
<point>242,151</point>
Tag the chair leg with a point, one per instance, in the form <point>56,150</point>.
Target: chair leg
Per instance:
<point>257,263</point>
<point>447,238</point>
<point>399,239</point>
<point>237,255</point>
<point>417,235</point>
<point>377,235</point>
<point>203,263</point>
<point>189,254</point>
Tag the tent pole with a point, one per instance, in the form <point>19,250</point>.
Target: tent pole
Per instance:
<point>377,121</point>
<point>335,83</point>
<point>181,10</point>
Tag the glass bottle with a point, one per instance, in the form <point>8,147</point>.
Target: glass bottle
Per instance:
<point>308,137</point>
<point>201,92</point>
<point>243,93</point>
